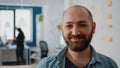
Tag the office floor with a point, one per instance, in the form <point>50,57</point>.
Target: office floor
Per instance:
<point>19,66</point>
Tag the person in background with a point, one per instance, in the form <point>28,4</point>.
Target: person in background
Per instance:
<point>20,47</point>
<point>77,28</point>
<point>1,42</point>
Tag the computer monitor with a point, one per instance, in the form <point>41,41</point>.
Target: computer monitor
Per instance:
<point>3,40</point>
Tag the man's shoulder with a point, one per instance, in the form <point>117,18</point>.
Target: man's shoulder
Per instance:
<point>51,60</point>
<point>107,60</point>
<point>104,57</point>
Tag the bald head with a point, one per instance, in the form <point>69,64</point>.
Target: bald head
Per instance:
<point>78,9</point>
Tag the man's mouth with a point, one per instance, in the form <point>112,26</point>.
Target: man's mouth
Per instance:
<point>76,39</point>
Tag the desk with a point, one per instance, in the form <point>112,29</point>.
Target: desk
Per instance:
<point>9,55</point>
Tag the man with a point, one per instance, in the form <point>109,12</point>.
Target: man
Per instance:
<point>20,47</point>
<point>77,29</point>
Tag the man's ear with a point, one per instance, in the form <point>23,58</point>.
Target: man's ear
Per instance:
<point>94,26</point>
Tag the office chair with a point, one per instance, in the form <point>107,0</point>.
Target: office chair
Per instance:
<point>43,48</point>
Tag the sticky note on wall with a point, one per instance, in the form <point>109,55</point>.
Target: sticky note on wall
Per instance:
<point>109,16</point>
<point>109,39</point>
<point>109,3</point>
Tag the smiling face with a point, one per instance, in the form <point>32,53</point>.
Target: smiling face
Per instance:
<point>77,28</point>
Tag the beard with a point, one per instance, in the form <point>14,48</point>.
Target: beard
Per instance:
<point>79,45</point>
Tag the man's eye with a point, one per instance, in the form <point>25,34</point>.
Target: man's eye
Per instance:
<point>82,25</point>
<point>68,26</point>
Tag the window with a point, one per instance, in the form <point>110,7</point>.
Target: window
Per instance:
<point>6,23</point>
<point>21,19</point>
<point>24,20</point>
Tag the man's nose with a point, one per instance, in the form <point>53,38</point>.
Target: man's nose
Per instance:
<point>75,30</point>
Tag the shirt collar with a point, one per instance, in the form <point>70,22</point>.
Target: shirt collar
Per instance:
<point>95,57</point>
<point>61,54</point>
